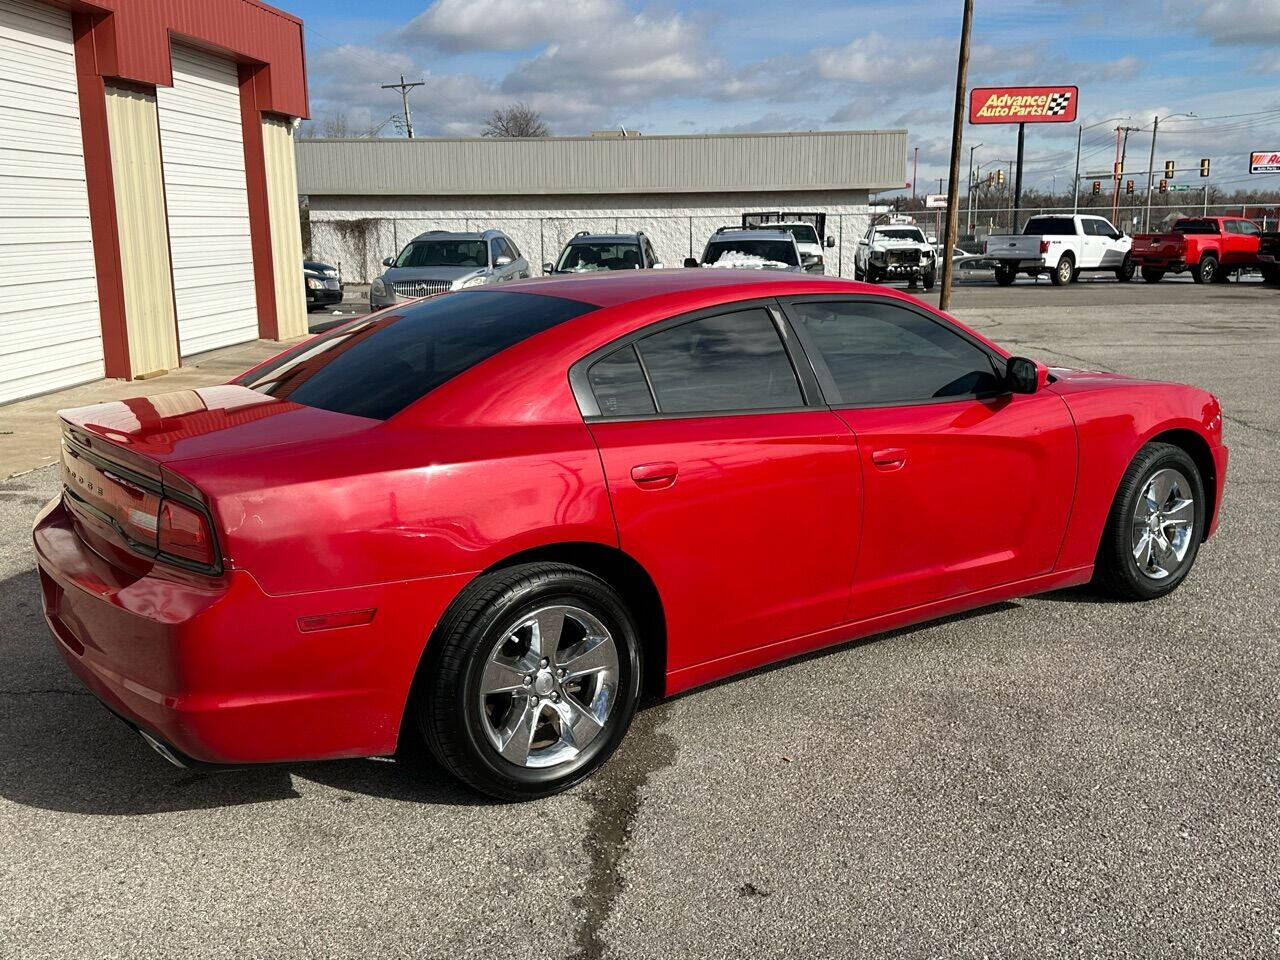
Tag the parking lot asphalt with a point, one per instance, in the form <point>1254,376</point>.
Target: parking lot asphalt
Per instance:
<point>1058,776</point>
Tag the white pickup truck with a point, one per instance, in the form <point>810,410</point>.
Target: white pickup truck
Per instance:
<point>1061,245</point>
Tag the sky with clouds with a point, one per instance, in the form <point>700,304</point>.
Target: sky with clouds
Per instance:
<point>713,66</point>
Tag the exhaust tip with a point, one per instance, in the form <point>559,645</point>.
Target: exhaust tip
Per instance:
<point>163,749</point>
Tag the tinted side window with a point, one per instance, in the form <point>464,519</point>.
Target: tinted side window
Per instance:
<point>619,385</point>
<point>376,368</point>
<point>879,353</point>
<point>732,361</point>
<point>495,251</point>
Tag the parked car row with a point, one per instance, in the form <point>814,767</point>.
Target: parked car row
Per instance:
<point>1064,246</point>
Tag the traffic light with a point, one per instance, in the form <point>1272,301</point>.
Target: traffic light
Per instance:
<point>1168,169</point>
<point>1118,169</point>
<point>1164,186</point>
<point>999,178</point>
<point>1097,187</point>
<point>1204,167</point>
<point>1128,186</point>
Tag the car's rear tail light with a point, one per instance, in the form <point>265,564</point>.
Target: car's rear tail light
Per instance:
<point>134,508</point>
<point>1044,246</point>
<point>184,533</point>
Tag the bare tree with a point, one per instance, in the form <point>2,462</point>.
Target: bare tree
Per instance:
<point>517,120</point>
<point>332,125</point>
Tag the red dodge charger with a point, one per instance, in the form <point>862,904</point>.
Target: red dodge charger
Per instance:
<point>489,520</point>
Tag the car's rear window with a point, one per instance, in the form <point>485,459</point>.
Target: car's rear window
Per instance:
<point>1050,227</point>
<point>1195,226</point>
<point>377,367</point>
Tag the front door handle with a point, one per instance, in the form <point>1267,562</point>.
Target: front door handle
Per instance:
<point>890,458</point>
<point>654,476</point>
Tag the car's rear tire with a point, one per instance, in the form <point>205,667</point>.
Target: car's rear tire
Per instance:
<point>1206,270</point>
<point>1006,275</point>
<point>1064,272</point>
<point>530,680</point>
<point>1155,526</point>
<point>1152,274</point>
<point>1124,272</point>
<point>1271,275</point>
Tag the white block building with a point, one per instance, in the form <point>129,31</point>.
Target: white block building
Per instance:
<point>370,197</point>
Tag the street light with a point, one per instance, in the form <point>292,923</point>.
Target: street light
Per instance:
<point>1151,164</point>
<point>1080,139</point>
<point>969,213</point>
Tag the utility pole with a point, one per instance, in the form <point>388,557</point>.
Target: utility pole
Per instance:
<point>1115,177</point>
<point>915,166</point>
<point>404,89</point>
<point>1124,154</point>
<point>1151,166</point>
<point>1017,186</point>
<point>969,195</point>
<point>1075,206</point>
<point>957,144</point>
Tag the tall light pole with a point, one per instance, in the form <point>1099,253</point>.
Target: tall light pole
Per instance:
<point>1075,208</point>
<point>968,229</point>
<point>404,89</point>
<point>957,144</point>
<point>1151,165</point>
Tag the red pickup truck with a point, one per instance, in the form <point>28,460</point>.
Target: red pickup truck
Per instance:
<point>1210,247</point>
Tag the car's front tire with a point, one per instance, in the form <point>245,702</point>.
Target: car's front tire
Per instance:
<point>1155,526</point>
<point>530,680</point>
<point>1124,272</point>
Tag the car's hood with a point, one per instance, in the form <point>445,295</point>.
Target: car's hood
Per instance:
<point>452,274</point>
<point>898,244</point>
<point>1085,378</point>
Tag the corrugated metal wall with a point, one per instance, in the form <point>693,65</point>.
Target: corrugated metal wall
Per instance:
<point>286,230</point>
<point>143,230</point>
<point>837,160</point>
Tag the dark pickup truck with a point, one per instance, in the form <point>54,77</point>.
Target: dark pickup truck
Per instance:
<point>1210,247</point>
<point>1269,258</point>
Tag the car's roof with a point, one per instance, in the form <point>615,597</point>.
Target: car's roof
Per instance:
<point>457,235</point>
<point>605,238</point>
<point>754,233</point>
<point>614,287</point>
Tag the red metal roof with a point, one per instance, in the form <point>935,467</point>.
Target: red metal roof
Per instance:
<point>131,42</point>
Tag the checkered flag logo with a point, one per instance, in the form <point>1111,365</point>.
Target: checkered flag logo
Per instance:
<point>1058,103</point>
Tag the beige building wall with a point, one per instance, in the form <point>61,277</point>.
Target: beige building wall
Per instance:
<point>134,133</point>
<point>286,229</point>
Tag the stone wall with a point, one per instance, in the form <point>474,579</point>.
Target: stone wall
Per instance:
<point>356,233</point>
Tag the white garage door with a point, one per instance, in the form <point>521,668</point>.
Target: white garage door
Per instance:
<point>203,153</point>
<point>50,335</point>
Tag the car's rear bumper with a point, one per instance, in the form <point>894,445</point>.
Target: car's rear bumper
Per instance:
<point>219,670</point>
<point>1035,264</point>
<point>1158,263</point>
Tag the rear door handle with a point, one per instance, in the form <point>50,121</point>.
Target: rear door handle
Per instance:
<point>890,458</point>
<point>654,476</point>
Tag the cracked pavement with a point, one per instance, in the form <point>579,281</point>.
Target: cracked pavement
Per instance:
<point>1058,776</point>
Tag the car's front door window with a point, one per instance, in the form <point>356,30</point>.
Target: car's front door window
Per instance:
<point>880,353</point>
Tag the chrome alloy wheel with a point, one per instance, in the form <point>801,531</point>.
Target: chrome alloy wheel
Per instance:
<point>549,686</point>
<point>1163,524</point>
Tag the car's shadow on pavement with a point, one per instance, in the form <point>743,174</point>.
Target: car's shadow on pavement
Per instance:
<point>60,749</point>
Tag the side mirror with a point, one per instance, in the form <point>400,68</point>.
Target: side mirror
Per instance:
<point>931,238</point>
<point>656,265</point>
<point>1025,376</point>
<point>690,261</point>
<point>863,242</point>
<point>502,261</point>
<point>829,242</point>
<point>809,260</point>
<point>388,261</point>
<point>548,267</point>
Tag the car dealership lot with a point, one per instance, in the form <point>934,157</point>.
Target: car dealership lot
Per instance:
<point>1058,775</point>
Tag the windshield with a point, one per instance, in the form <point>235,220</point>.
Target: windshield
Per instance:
<point>588,257</point>
<point>803,233</point>
<point>444,253</point>
<point>1195,226</point>
<point>378,366</point>
<point>1050,227</point>
<point>766,251</point>
<point>900,233</point>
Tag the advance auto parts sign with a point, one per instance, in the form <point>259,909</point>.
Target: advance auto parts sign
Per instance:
<point>1264,161</point>
<point>1023,104</point>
